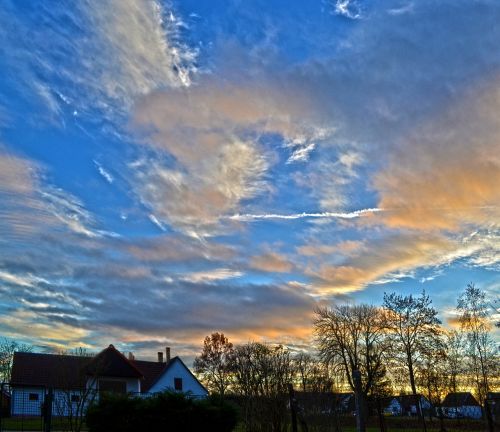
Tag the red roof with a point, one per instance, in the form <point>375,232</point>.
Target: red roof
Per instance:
<point>111,362</point>
<point>48,370</point>
<point>64,371</point>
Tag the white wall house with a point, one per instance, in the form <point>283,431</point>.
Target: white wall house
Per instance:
<point>178,377</point>
<point>77,381</point>
<point>461,405</point>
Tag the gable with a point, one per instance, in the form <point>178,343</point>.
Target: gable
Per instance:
<point>112,363</point>
<point>177,369</point>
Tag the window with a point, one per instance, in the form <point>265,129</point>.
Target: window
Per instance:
<point>33,396</point>
<point>110,386</point>
<point>75,398</point>
<point>178,384</point>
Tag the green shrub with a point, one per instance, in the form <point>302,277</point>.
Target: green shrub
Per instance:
<point>166,411</point>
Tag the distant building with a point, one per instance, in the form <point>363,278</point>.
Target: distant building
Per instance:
<point>461,405</point>
<point>75,377</point>
<point>405,405</point>
<point>327,402</point>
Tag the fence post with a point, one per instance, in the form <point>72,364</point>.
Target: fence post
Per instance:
<point>293,407</point>
<point>487,411</point>
<point>358,394</point>
<point>1,404</point>
<point>380,416</point>
<point>47,411</point>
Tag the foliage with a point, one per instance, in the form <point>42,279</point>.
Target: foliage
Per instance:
<point>213,365</point>
<point>414,327</point>
<point>168,411</point>
<point>262,374</point>
<point>7,349</point>
<point>352,338</point>
<point>474,321</point>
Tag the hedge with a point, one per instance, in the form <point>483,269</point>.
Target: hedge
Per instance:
<point>166,411</point>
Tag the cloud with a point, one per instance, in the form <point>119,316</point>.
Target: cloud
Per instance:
<point>348,8</point>
<point>104,173</point>
<point>271,262</point>
<point>213,131</point>
<point>117,50</point>
<point>211,276</point>
<point>323,215</point>
<point>354,266</point>
<point>447,172</point>
<point>31,205</point>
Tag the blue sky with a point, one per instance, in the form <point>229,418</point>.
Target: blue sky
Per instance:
<point>168,169</point>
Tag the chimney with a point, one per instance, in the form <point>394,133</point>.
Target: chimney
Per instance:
<point>131,356</point>
<point>160,357</point>
<point>167,352</point>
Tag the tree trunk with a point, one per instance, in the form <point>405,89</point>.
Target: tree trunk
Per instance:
<point>358,392</point>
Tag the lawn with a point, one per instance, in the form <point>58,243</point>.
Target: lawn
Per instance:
<point>32,424</point>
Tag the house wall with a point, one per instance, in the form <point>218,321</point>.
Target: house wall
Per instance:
<point>133,385</point>
<point>393,408</point>
<point>61,402</point>
<point>178,370</point>
<point>474,412</point>
<point>20,403</point>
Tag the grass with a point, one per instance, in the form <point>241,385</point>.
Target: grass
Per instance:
<point>33,424</point>
<point>400,424</point>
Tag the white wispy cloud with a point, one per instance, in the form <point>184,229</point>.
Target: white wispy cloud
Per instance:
<point>21,280</point>
<point>104,173</point>
<point>323,215</point>
<point>155,220</point>
<point>348,8</point>
<point>132,48</point>
<point>211,275</point>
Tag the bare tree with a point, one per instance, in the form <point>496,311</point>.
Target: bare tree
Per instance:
<point>431,373</point>
<point>7,349</point>
<point>312,373</point>
<point>352,337</point>
<point>213,365</point>
<point>454,360</point>
<point>413,325</point>
<point>77,387</point>
<point>473,309</point>
<point>262,373</point>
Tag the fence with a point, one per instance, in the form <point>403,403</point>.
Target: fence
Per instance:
<point>330,412</point>
<point>40,409</point>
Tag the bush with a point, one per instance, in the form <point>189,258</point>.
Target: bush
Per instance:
<point>166,411</point>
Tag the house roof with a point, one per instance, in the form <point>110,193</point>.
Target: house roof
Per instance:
<point>459,399</point>
<point>64,371</point>
<point>151,371</point>
<point>111,362</point>
<point>407,401</point>
<point>48,370</point>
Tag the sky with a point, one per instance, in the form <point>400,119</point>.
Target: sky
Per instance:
<point>173,168</point>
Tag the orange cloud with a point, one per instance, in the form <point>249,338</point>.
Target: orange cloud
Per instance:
<point>446,173</point>
<point>395,255</point>
<point>271,262</point>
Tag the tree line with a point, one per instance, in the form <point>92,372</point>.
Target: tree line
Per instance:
<point>397,347</point>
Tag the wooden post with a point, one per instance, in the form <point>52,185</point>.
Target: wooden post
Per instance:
<point>47,412</point>
<point>1,404</point>
<point>293,407</point>
<point>380,416</point>
<point>489,419</point>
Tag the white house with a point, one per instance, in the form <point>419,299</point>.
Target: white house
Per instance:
<point>461,405</point>
<point>76,381</point>
<point>406,405</point>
